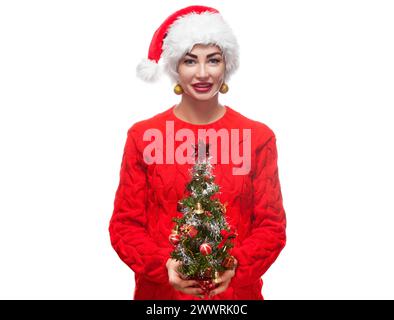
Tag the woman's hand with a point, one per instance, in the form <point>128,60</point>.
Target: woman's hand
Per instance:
<point>186,286</point>
<point>224,280</point>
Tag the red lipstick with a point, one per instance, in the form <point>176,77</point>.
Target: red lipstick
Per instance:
<point>202,87</point>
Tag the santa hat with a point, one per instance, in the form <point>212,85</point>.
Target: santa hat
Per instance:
<point>179,33</point>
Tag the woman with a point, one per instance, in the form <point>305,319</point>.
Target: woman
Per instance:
<point>200,54</point>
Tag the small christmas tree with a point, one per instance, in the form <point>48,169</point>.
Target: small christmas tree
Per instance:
<point>202,237</point>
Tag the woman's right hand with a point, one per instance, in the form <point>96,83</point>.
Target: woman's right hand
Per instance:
<point>186,286</point>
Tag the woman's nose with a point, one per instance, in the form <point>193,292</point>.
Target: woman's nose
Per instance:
<point>202,71</point>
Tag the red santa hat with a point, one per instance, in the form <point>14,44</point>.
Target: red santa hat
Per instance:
<point>179,33</point>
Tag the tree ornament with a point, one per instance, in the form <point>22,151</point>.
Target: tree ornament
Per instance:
<point>208,273</point>
<point>216,277</point>
<point>179,207</point>
<point>205,249</point>
<point>223,207</point>
<point>206,285</point>
<point>174,238</point>
<point>228,262</point>
<point>198,209</point>
<point>189,230</point>
<point>192,232</point>
<point>208,213</point>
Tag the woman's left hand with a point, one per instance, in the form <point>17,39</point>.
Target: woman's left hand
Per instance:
<point>223,281</point>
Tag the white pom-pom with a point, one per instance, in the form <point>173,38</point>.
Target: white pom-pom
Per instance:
<point>148,70</point>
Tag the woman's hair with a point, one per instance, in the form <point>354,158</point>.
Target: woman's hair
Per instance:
<point>179,33</point>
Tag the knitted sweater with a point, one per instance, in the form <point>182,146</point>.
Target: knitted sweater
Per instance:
<point>147,196</point>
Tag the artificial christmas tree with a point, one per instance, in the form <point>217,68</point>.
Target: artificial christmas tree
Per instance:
<point>202,238</point>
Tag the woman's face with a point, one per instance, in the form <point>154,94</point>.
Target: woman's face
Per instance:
<point>201,71</point>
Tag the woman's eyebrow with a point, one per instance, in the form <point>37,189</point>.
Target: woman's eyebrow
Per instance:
<point>208,55</point>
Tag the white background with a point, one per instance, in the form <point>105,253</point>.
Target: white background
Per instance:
<point>319,73</point>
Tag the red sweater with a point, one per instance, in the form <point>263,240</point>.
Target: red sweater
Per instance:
<point>147,196</point>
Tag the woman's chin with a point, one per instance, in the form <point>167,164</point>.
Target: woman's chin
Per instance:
<point>201,96</point>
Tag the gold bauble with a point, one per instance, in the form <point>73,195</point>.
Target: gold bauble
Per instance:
<point>199,209</point>
<point>178,89</point>
<point>223,207</point>
<point>216,279</point>
<point>223,88</point>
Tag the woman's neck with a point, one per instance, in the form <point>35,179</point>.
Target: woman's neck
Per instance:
<point>198,111</point>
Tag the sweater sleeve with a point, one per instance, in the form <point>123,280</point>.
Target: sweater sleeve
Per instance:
<point>268,236</point>
<point>127,227</point>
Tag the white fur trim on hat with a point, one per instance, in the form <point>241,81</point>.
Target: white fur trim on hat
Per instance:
<point>148,70</point>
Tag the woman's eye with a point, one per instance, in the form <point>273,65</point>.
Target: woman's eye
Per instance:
<point>215,60</point>
<point>189,61</point>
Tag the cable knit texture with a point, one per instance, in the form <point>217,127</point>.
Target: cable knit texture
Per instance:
<point>146,201</point>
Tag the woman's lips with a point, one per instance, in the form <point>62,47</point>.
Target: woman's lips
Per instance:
<point>202,88</point>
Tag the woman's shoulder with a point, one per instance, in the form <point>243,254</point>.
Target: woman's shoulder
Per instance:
<point>259,127</point>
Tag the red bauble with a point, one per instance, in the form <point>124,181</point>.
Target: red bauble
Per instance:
<point>208,273</point>
<point>206,286</point>
<point>192,232</point>
<point>189,230</point>
<point>205,249</point>
<point>179,207</point>
<point>228,262</point>
<point>174,238</point>
<point>208,213</point>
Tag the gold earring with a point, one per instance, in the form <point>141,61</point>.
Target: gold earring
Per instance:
<point>178,89</point>
<point>223,88</point>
